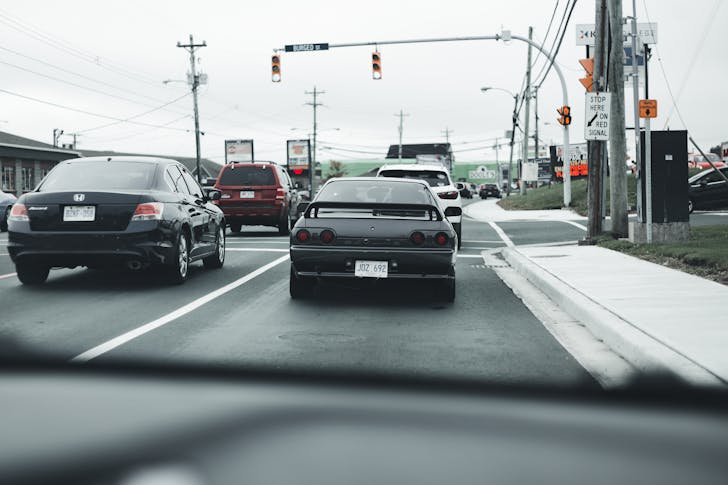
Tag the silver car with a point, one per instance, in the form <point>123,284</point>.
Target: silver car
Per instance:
<point>6,202</point>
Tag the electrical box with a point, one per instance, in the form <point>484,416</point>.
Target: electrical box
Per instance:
<point>669,162</point>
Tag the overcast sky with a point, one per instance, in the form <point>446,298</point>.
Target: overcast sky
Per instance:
<point>110,58</point>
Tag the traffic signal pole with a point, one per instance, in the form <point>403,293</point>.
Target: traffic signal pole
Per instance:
<point>504,36</point>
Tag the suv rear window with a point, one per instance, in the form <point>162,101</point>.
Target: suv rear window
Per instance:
<point>432,177</point>
<point>247,176</point>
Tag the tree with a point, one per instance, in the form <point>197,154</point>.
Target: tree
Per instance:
<point>336,169</point>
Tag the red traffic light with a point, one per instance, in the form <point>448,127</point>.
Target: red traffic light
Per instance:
<point>376,65</point>
<point>565,118</point>
<point>275,62</point>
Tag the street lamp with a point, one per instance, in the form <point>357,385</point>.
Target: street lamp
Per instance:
<point>513,130</point>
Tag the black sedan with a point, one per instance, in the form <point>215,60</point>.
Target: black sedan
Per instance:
<point>134,212</point>
<point>489,190</point>
<point>374,228</point>
<point>708,190</point>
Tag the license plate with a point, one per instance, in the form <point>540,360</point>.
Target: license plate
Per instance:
<point>247,194</point>
<point>79,213</point>
<point>371,269</point>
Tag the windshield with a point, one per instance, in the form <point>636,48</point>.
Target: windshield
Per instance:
<point>544,267</point>
<point>434,178</point>
<point>99,176</point>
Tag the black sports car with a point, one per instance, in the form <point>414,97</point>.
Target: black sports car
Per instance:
<point>135,212</point>
<point>371,227</point>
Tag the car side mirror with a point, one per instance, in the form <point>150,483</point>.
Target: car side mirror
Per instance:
<point>302,206</point>
<point>297,186</point>
<point>213,194</point>
<point>703,182</point>
<point>453,212</point>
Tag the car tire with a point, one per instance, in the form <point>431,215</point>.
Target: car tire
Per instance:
<point>284,226</point>
<point>4,220</point>
<point>448,291</point>
<point>31,273</point>
<point>691,206</point>
<point>179,268</point>
<point>235,228</point>
<point>216,260</point>
<point>299,287</point>
<point>459,232</point>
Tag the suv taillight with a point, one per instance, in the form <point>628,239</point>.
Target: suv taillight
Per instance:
<point>18,213</point>
<point>280,194</point>
<point>453,194</point>
<point>148,211</point>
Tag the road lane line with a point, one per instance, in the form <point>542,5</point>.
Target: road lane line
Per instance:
<point>576,224</point>
<point>501,234</point>
<point>264,250</point>
<point>469,255</point>
<point>193,305</point>
<point>498,241</point>
<point>9,275</point>
<point>228,241</point>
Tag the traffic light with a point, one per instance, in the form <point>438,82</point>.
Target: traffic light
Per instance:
<point>588,81</point>
<point>376,65</point>
<point>565,115</point>
<point>275,62</point>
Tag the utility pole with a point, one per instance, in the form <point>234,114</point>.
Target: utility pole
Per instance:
<point>617,139</point>
<point>312,159</point>
<point>401,115</point>
<point>57,132</point>
<point>195,82</point>
<point>514,120</point>
<point>496,152</point>
<point>535,134</point>
<point>596,148</point>
<point>527,93</point>
<point>446,132</point>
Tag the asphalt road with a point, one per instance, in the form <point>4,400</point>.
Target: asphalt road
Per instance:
<point>242,315</point>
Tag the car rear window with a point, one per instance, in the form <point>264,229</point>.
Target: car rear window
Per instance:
<point>247,176</point>
<point>100,176</point>
<point>432,177</point>
<point>375,191</point>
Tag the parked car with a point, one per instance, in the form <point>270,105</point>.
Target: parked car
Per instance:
<point>439,180</point>
<point>489,190</point>
<point>6,202</point>
<point>135,212</point>
<point>708,190</point>
<point>259,193</point>
<point>372,227</point>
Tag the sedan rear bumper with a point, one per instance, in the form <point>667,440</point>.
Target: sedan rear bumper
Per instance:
<point>338,262</point>
<point>148,245</point>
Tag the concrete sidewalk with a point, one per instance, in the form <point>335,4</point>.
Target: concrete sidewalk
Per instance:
<point>655,317</point>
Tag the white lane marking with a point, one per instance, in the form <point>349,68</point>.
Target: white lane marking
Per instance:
<point>469,255</point>
<point>193,305</point>
<point>501,234</point>
<point>4,254</point>
<point>486,242</point>
<point>256,242</point>
<point>9,275</point>
<point>465,248</point>
<point>265,250</point>
<point>576,224</point>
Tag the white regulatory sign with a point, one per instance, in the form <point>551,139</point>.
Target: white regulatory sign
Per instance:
<point>596,120</point>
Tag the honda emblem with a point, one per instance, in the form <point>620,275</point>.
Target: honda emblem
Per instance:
<point>79,197</point>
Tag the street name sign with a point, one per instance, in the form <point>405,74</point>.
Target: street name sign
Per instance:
<point>307,47</point>
<point>646,34</point>
<point>596,120</point>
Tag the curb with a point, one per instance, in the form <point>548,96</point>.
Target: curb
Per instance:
<point>641,350</point>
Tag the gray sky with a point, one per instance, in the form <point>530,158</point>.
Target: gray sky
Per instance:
<point>127,48</point>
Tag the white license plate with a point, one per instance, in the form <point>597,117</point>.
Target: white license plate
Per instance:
<point>371,269</point>
<point>247,194</point>
<point>79,213</point>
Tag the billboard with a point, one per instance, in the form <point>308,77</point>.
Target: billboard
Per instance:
<point>578,160</point>
<point>298,154</point>
<point>238,151</point>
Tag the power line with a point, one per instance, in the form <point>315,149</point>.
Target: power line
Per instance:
<point>558,46</point>
<point>548,30</point>
<point>127,120</point>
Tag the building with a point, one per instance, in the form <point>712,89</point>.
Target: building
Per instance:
<point>24,162</point>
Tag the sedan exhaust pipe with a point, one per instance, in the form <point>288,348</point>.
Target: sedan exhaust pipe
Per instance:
<point>134,264</point>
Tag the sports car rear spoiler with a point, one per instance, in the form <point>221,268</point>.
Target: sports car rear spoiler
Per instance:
<point>375,207</point>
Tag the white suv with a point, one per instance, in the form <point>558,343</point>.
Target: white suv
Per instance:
<point>440,181</point>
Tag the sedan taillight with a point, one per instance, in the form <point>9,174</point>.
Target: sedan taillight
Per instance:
<point>441,238</point>
<point>18,213</point>
<point>327,236</point>
<point>417,238</point>
<point>303,236</point>
<point>148,211</point>
<point>453,194</point>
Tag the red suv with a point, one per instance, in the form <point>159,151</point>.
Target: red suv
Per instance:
<point>257,194</point>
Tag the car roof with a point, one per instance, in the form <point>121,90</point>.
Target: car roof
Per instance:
<point>260,163</point>
<point>414,166</point>
<point>122,158</point>
<point>380,179</point>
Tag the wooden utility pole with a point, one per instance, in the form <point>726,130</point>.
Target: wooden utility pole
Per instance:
<point>195,83</point>
<point>527,93</point>
<point>401,116</point>
<point>596,148</point>
<point>312,159</point>
<point>617,138</point>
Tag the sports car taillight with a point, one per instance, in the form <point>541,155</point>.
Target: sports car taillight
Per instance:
<point>441,238</point>
<point>327,236</point>
<point>280,194</point>
<point>148,211</point>
<point>453,194</point>
<point>303,236</point>
<point>18,213</point>
<point>417,238</point>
